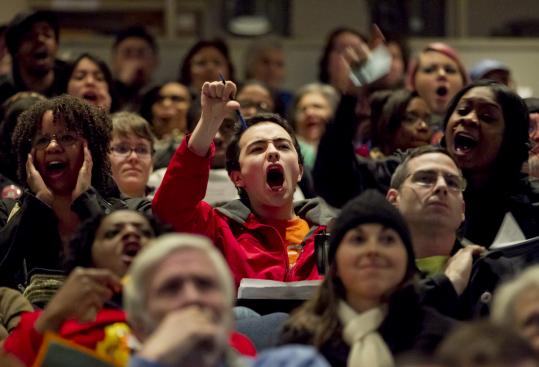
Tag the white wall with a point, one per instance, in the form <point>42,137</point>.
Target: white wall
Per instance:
<point>312,19</point>
<point>8,8</point>
<point>522,55</point>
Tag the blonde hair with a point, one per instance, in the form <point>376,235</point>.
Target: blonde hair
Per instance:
<point>126,123</point>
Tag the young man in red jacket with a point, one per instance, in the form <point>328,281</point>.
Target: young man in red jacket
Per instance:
<point>264,234</point>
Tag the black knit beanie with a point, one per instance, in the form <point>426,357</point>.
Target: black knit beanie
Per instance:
<point>370,207</point>
<point>22,22</point>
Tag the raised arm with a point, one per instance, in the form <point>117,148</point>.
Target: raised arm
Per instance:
<point>216,104</point>
<point>339,173</point>
<point>178,200</point>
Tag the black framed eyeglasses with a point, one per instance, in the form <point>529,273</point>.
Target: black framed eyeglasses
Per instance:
<point>429,178</point>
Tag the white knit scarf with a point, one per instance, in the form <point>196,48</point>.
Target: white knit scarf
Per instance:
<point>367,348</point>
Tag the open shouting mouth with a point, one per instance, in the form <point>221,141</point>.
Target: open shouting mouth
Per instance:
<point>275,177</point>
<point>442,91</point>
<point>55,169</point>
<point>464,142</point>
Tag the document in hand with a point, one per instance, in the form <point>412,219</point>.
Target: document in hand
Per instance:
<point>58,352</point>
<point>271,289</point>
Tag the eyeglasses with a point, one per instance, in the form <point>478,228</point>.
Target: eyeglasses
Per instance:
<point>429,178</point>
<point>65,139</point>
<point>173,98</point>
<point>259,106</point>
<point>125,150</point>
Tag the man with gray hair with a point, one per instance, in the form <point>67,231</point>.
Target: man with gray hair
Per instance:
<point>516,305</point>
<point>179,300</point>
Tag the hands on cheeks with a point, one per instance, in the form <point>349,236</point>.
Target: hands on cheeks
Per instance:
<point>84,179</point>
<point>38,186</point>
<point>200,332</point>
<point>35,181</point>
<point>459,266</point>
<point>82,295</point>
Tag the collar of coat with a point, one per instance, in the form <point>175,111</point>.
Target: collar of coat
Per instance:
<point>314,211</point>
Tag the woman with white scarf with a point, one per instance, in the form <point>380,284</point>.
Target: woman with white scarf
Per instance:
<point>367,309</point>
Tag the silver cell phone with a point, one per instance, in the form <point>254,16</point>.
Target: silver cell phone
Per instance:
<point>376,66</point>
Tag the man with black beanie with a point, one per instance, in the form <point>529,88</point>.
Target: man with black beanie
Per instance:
<point>32,41</point>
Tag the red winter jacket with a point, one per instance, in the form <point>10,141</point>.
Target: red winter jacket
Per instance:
<point>24,342</point>
<point>252,249</point>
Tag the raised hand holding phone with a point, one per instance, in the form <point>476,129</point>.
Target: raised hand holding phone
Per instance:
<point>367,66</point>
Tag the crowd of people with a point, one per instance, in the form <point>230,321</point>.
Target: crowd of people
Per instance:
<point>131,211</point>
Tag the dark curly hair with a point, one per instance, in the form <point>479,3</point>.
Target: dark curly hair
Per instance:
<point>79,250</point>
<point>89,121</point>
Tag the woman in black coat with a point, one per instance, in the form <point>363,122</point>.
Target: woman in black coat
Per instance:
<point>486,131</point>
<point>61,147</point>
<point>368,301</point>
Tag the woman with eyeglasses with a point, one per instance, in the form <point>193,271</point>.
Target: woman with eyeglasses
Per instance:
<point>62,147</point>
<point>131,154</point>
<point>204,61</point>
<point>165,107</point>
<point>255,97</point>
<point>399,120</point>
